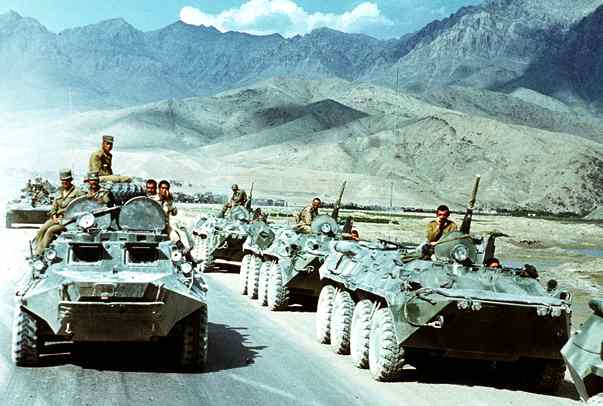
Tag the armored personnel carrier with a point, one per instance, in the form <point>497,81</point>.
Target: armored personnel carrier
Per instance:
<point>220,238</point>
<point>281,265</point>
<point>32,205</point>
<point>583,354</point>
<point>387,308</point>
<point>112,276</point>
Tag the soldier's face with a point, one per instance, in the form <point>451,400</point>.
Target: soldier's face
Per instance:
<point>442,215</point>
<point>164,191</point>
<point>107,146</point>
<point>151,188</point>
<point>66,184</point>
<point>315,204</point>
<point>93,184</point>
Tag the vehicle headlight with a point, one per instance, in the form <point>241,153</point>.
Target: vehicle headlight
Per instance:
<point>38,265</point>
<point>460,253</point>
<point>325,228</point>
<point>176,256</point>
<point>186,268</point>
<point>86,221</point>
<point>50,254</point>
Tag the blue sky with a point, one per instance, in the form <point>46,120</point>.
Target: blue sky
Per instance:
<point>379,18</point>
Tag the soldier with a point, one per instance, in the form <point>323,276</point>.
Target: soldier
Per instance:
<point>151,189</point>
<point>238,198</point>
<point>96,192</point>
<point>101,161</point>
<point>305,217</point>
<point>167,200</point>
<point>493,263</point>
<point>441,226</point>
<point>53,227</point>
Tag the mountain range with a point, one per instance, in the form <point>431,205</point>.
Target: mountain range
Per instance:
<point>500,45</point>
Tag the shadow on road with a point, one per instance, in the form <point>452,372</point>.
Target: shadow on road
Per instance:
<point>226,350</point>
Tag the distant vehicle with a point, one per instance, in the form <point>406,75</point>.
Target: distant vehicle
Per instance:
<point>112,276</point>
<point>33,204</point>
<point>583,354</point>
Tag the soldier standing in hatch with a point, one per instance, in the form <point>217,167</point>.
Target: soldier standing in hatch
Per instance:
<point>101,161</point>
<point>306,215</point>
<point>95,191</point>
<point>238,198</point>
<point>441,226</point>
<point>53,227</point>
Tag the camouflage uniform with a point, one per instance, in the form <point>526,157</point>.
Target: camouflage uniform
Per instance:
<point>304,219</point>
<point>49,230</point>
<point>238,198</point>
<point>435,232</point>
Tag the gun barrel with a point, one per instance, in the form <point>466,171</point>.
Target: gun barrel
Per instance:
<point>474,192</point>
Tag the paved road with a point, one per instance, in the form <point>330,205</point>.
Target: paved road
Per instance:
<point>256,357</point>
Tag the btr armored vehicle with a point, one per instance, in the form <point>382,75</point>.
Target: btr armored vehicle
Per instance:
<point>33,204</point>
<point>281,264</point>
<point>220,238</point>
<point>583,354</point>
<point>112,276</point>
<point>386,306</point>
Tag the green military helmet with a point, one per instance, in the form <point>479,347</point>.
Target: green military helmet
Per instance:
<point>92,176</point>
<point>65,174</point>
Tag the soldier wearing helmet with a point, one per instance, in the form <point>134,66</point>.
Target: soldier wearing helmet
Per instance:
<point>238,198</point>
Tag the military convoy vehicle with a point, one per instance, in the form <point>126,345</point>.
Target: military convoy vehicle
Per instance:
<point>220,238</point>
<point>583,354</point>
<point>33,204</point>
<point>386,306</point>
<point>281,265</point>
<point>112,276</point>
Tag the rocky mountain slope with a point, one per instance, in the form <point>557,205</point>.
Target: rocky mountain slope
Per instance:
<point>111,64</point>
<point>300,138</point>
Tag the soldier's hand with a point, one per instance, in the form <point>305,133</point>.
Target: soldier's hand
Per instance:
<point>55,219</point>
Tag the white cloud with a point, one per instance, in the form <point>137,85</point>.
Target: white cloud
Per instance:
<point>286,18</point>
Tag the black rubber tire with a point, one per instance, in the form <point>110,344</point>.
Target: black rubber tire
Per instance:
<point>386,357</point>
<point>244,273</point>
<point>253,278</point>
<point>25,340</point>
<point>278,294</point>
<point>324,312</point>
<point>194,340</point>
<point>341,322</point>
<point>263,283</point>
<point>542,375</point>
<point>360,333</point>
<point>122,192</point>
<point>200,248</point>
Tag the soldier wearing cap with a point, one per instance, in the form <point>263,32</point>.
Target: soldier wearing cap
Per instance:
<point>305,217</point>
<point>53,227</point>
<point>95,191</point>
<point>441,226</point>
<point>238,198</point>
<point>101,161</point>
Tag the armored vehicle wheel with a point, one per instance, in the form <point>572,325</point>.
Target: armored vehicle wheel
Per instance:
<point>361,330</point>
<point>278,294</point>
<point>253,277</point>
<point>324,313</point>
<point>25,345</point>
<point>341,322</point>
<point>263,283</point>
<point>194,340</point>
<point>596,400</point>
<point>200,253</point>
<point>386,357</point>
<point>543,375</point>
<point>243,274</point>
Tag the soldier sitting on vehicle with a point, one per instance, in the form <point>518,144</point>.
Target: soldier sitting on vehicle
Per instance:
<point>101,161</point>
<point>96,192</point>
<point>176,234</point>
<point>441,226</point>
<point>151,189</point>
<point>306,215</point>
<point>53,227</point>
<point>493,263</point>
<point>238,198</point>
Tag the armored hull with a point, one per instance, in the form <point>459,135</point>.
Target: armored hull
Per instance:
<point>387,312</point>
<point>583,354</point>
<point>24,213</point>
<point>99,282</point>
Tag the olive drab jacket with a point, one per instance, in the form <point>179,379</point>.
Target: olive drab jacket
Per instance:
<point>101,162</point>
<point>435,232</point>
<point>102,196</point>
<point>63,198</point>
<point>238,198</point>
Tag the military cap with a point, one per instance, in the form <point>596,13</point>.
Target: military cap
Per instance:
<point>92,176</point>
<point>235,187</point>
<point>108,138</point>
<point>65,174</point>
